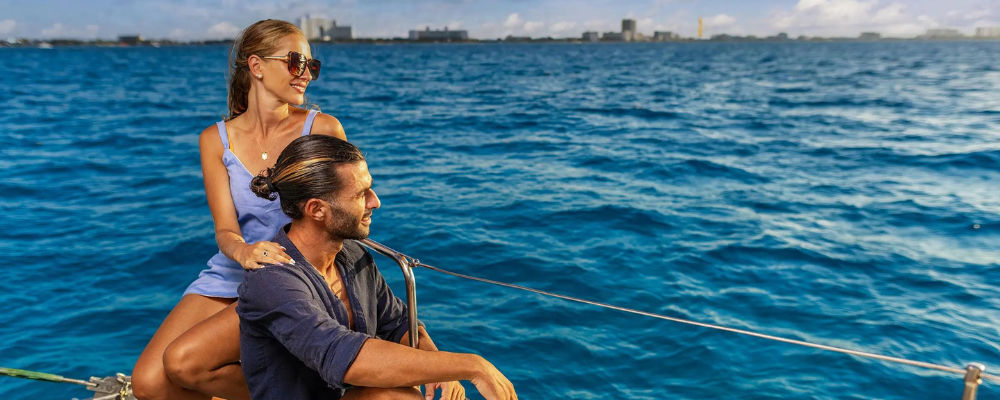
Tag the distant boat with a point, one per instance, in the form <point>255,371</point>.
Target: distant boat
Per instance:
<point>45,45</point>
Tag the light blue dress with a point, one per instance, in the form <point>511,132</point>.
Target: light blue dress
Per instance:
<point>259,220</point>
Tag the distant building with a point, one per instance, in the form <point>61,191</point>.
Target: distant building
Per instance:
<point>130,40</point>
<point>870,36</point>
<point>312,27</point>
<point>591,36</point>
<point>628,30</point>
<point>439,35</point>
<point>612,36</point>
<point>942,33</point>
<point>988,32</point>
<point>323,29</point>
<point>512,38</point>
<point>335,32</point>
<point>664,36</point>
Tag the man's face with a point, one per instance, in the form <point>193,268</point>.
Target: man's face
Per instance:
<point>352,206</point>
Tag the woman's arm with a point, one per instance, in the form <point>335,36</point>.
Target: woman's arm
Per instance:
<point>220,203</point>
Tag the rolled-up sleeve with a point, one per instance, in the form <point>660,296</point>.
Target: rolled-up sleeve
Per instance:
<point>281,303</point>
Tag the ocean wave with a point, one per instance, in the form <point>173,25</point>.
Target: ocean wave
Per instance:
<point>784,187</point>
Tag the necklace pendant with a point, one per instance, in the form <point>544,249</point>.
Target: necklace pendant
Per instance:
<point>263,156</point>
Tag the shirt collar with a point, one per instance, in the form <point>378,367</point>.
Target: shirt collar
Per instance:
<point>290,249</point>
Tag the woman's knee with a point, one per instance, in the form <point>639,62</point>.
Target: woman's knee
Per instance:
<point>181,366</point>
<point>149,383</point>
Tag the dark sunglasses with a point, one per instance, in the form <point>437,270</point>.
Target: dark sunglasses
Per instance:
<point>298,63</point>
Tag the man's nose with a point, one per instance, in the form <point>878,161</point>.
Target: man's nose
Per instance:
<point>373,201</point>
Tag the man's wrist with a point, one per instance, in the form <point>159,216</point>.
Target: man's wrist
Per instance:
<point>476,366</point>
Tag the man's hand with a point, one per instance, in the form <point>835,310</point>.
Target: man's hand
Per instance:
<point>492,384</point>
<point>449,391</point>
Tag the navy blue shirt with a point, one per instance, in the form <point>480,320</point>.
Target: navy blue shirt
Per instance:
<point>295,339</point>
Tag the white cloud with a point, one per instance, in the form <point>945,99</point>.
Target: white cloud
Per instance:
<point>515,25</point>
<point>56,29</point>
<point>533,26</point>
<point>977,14</point>
<point>562,27</point>
<point>513,21</point>
<point>7,26</point>
<point>223,30</point>
<point>720,20</point>
<point>848,17</point>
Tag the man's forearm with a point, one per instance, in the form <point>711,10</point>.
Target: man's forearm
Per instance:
<point>385,364</point>
<point>424,342</point>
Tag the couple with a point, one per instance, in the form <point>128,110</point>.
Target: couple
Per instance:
<point>305,326</point>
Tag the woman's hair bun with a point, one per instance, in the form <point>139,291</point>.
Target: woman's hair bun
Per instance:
<point>262,186</point>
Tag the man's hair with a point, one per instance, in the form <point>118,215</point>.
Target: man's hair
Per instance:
<point>306,169</point>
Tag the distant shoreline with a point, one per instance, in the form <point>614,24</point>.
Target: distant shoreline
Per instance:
<point>36,43</point>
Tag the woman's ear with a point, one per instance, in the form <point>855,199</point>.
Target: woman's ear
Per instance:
<point>255,64</point>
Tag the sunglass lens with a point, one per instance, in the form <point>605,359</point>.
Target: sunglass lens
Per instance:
<point>296,63</point>
<point>313,66</point>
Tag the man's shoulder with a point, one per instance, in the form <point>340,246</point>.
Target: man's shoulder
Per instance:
<point>356,256</point>
<point>272,276</point>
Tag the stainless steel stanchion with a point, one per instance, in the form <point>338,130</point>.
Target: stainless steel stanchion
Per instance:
<point>406,263</point>
<point>973,377</point>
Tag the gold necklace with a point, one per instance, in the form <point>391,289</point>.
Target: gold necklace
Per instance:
<point>263,152</point>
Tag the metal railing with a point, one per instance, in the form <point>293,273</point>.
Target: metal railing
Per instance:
<point>406,263</point>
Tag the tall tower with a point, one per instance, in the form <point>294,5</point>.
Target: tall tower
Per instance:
<point>700,26</point>
<point>628,30</point>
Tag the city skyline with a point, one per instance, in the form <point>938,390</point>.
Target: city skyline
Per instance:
<point>190,20</point>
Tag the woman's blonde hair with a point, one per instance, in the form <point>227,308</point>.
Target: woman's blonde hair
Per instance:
<point>261,38</point>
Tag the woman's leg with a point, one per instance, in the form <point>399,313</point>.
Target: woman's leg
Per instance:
<point>149,379</point>
<point>206,357</point>
<point>367,393</point>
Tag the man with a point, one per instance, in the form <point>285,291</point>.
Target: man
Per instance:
<point>327,326</point>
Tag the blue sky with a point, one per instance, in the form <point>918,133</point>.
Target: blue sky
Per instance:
<point>191,19</point>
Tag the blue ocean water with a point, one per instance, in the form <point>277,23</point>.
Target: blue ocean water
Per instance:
<point>840,193</point>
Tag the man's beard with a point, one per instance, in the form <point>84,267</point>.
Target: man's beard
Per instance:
<point>346,226</point>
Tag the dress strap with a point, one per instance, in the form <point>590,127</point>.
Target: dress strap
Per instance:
<point>307,127</point>
<point>224,135</point>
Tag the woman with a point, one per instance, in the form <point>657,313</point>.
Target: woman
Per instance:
<point>195,352</point>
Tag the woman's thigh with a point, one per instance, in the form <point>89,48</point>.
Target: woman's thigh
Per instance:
<point>191,310</point>
<point>367,393</point>
<point>211,343</point>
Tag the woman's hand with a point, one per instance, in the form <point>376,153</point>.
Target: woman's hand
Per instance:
<point>254,256</point>
<point>449,391</point>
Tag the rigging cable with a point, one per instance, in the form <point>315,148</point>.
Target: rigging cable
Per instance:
<point>898,360</point>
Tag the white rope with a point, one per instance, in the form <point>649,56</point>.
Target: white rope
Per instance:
<point>920,364</point>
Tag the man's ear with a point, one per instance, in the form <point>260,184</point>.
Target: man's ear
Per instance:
<point>314,209</point>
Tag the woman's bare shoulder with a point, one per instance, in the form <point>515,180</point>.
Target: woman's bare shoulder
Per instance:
<point>210,139</point>
<point>326,124</point>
